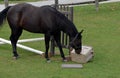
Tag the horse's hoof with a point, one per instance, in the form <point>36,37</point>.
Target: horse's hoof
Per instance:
<point>48,61</point>
<point>65,60</point>
<point>15,58</point>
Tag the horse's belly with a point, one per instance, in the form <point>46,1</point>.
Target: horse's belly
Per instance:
<point>34,29</point>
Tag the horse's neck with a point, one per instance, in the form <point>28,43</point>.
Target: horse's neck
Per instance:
<point>71,30</point>
<point>72,33</point>
<point>66,25</point>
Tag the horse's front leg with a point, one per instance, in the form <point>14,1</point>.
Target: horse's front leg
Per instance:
<point>47,39</point>
<point>57,39</point>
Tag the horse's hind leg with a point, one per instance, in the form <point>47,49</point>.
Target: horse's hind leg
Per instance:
<point>14,38</point>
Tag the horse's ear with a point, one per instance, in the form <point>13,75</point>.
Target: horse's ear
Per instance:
<point>79,34</point>
<point>81,31</point>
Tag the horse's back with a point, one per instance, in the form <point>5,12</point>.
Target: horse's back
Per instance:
<point>17,11</point>
<point>20,8</point>
<point>34,19</point>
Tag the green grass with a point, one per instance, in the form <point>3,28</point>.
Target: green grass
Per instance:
<point>101,31</point>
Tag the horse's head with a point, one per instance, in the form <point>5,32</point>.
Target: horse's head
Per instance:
<point>76,43</point>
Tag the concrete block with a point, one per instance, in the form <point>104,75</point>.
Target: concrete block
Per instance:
<point>85,55</point>
<point>72,66</point>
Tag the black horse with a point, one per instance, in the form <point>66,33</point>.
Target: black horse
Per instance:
<point>46,20</point>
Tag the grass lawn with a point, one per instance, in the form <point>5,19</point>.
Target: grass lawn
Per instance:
<point>101,31</point>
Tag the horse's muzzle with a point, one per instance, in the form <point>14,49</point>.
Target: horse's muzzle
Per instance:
<point>78,51</point>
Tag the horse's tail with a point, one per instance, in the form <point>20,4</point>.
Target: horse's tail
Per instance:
<point>3,14</point>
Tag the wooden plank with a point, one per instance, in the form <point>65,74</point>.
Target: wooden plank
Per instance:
<point>22,46</point>
<point>97,5</point>
<point>6,3</point>
<point>72,66</point>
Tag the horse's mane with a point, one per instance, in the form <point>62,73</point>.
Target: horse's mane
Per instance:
<point>65,22</point>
